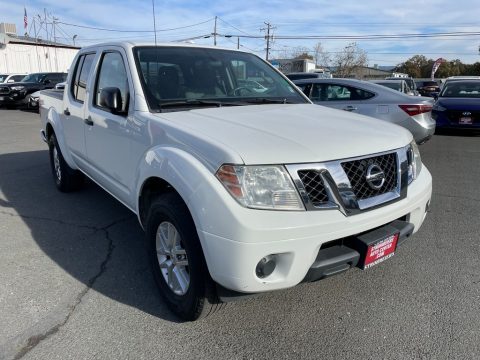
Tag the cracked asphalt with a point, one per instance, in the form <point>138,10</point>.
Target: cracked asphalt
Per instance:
<point>75,282</point>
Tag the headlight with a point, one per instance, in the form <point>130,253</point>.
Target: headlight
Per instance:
<point>17,88</point>
<point>261,187</point>
<point>414,161</point>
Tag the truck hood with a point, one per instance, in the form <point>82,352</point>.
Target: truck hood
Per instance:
<point>290,133</point>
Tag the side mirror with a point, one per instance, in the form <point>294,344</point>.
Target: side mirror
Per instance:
<point>111,98</point>
<point>11,81</point>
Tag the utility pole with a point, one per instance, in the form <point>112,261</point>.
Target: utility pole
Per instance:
<point>238,42</point>
<point>36,44</point>
<point>55,41</point>
<point>215,32</point>
<point>268,37</point>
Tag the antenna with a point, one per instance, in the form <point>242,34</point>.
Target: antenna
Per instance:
<point>154,24</point>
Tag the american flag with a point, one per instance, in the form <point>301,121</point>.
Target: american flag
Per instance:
<point>25,19</point>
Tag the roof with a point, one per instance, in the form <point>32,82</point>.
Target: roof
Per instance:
<point>130,44</point>
<point>27,40</point>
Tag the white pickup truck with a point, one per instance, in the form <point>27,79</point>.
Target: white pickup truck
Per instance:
<point>241,184</point>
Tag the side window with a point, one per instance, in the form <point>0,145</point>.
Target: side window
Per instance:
<point>112,73</point>
<point>80,77</point>
<point>17,78</point>
<point>318,92</point>
<point>338,92</point>
<point>76,75</point>
<point>83,77</point>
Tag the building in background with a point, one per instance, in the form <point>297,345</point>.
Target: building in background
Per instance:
<point>24,54</point>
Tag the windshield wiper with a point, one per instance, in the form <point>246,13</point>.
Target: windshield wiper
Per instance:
<point>265,100</point>
<point>195,102</point>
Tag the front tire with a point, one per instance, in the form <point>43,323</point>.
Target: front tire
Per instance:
<point>179,267</point>
<point>66,179</point>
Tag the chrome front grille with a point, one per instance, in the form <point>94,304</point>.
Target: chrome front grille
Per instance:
<point>314,187</point>
<point>4,90</point>
<point>352,185</point>
<point>356,171</point>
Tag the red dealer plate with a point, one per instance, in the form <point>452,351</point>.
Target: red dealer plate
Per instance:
<point>380,251</point>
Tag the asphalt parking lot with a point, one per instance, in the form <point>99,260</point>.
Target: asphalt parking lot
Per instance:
<point>75,282</point>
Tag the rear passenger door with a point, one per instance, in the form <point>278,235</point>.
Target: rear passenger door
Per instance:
<point>74,107</point>
<point>107,136</point>
<point>343,97</point>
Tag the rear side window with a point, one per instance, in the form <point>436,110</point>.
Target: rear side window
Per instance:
<point>112,73</point>
<point>82,71</point>
<point>334,92</point>
<point>17,78</point>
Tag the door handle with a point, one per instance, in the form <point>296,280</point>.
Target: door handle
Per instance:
<point>66,112</point>
<point>88,121</point>
<point>350,108</point>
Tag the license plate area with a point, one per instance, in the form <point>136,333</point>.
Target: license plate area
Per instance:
<point>380,251</point>
<point>465,120</point>
<point>380,244</point>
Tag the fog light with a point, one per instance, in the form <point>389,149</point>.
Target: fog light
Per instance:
<point>266,266</point>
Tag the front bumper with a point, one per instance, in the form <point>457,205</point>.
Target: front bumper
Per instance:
<point>295,238</point>
<point>13,99</point>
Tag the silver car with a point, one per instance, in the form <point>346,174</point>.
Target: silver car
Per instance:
<point>366,98</point>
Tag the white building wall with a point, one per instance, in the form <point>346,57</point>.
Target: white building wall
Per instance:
<point>26,58</point>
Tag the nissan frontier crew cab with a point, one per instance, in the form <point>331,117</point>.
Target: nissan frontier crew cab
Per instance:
<point>241,184</point>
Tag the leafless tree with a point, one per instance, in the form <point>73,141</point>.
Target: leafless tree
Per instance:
<point>350,61</point>
<point>322,58</point>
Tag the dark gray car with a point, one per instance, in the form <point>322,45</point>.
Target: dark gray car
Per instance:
<point>366,98</point>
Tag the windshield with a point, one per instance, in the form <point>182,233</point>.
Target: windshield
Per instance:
<point>36,78</point>
<point>461,89</point>
<point>172,76</point>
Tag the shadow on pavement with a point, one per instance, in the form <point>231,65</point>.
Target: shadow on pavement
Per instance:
<point>88,234</point>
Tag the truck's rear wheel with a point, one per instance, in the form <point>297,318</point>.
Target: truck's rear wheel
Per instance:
<point>66,179</point>
<point>177,259</point>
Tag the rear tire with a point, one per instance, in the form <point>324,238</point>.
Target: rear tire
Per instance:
<point>178,263</point>
<point>66,179</point>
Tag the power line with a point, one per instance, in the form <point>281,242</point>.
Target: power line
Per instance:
<point>363,37</point>
<point>134,31</point>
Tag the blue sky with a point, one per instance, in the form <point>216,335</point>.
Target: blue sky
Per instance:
<point>299,17</point>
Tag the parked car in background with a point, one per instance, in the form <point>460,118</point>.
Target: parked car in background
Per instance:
<point>308,75</point>
<point>458,105</point>
<point>410,82</point>
<point>367,98</point>
<point>427,87</point>
<point>11,78</point>
<point>19,93</point>
<point>397,84</point>
<point>33,100</point>
<point>60,86</point>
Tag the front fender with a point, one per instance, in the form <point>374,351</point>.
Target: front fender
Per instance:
<point>53,118</point>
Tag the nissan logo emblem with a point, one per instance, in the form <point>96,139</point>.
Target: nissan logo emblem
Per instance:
<point>375,177</point>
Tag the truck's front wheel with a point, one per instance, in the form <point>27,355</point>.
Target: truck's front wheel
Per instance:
<point>66,179</point>
<point>178,263</point>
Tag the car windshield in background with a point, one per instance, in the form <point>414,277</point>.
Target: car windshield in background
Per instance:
<point>461,89</point>
<point>35,78</point>
<point>392,85</point>
<point>177,77</point>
